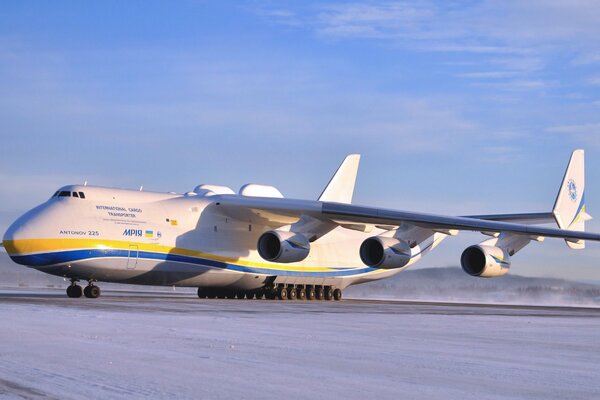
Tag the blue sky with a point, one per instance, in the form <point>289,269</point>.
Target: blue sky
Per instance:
<point>456,107</point>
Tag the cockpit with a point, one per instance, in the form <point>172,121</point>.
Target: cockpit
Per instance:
<point>66,193</point>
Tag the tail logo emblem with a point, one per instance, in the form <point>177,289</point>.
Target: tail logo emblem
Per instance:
<point>572,190</point>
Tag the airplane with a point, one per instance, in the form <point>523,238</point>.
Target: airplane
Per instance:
<point>258,244</point>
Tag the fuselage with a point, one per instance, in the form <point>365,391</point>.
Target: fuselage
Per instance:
<point>126,236</point>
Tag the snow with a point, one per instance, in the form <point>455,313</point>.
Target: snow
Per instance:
<point>124,346</point>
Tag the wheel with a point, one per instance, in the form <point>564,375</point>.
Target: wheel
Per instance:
<point>271,294</point>
<point>311,294</point>
<point>211,293</point>
<point>328,294</point>
<point>240,295</point>
<point>74,291</point>
<point>282,293</point>
<point>250,295</point>
<point>202,293</point>
<point>320,292</point>
<point>337,294</point>
<point>91,292</point>
<point>301,293</point>
<point>221,294</point>
<point>260,294</point>
<point>292,293</point>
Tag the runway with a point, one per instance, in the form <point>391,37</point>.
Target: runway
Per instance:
<point>164,345</point>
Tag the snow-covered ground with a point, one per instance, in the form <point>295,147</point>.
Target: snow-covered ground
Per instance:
<point>130,346</point>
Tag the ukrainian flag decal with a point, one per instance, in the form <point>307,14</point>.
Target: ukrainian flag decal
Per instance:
<point>149,234</point>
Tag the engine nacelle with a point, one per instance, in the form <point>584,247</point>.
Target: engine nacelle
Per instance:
<point>385,252</point>
<point>485,261</point>
<point>283,247</point>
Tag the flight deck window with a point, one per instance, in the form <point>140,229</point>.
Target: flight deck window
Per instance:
<point>81,195</point>
<point>64,194</point>
<point>75,194</point>
<point>55,194</point>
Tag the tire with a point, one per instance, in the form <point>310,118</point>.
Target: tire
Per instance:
<point>202,293</point>
<point>240,295</point>
<point>337,294</point>
<point>282,293</point>
<point>74,291</point>
<point>311,294</point>
<point>301,293</point>
<point>320,293</point>
<point>328,294</point>
<point>260,294</point>
<point>94,292</point>
<point>250,295</point>
<point>292,293</point>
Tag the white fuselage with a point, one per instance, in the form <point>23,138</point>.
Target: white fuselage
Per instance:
<point>137,237</point>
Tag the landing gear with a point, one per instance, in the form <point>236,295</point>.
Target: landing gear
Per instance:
<point>292,293</point>
<point>282,293</point>
<point>320,292</point>
<point>301,293</point>
<point>74,291</point>
<point>328,293</point>
<point>91,291</point>
<point>337,294</point>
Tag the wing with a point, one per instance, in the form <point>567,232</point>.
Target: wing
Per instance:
<point>278,212</point>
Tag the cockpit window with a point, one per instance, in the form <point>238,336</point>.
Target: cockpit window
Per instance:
<point>81,195</point>
<point>64,194</point>
<point>75,194</point>
<point>55,194</point>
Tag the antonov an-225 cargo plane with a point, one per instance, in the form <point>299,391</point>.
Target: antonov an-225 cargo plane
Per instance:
<point>259,244</point>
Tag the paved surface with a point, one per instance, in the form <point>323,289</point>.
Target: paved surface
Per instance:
<point>164,345</point>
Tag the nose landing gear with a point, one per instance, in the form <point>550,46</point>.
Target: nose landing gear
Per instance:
<point>75,291</point>
<point>91,291</point>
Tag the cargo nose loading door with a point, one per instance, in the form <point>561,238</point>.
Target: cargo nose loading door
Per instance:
<point>132,257</point>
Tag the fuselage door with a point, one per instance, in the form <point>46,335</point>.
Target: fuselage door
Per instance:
<point>132,257</point>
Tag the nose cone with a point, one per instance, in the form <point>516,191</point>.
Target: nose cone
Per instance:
<point>17,239</point>
<point>13,241</point>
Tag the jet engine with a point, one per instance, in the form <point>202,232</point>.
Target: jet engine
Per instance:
<point>283,247</point>
<point>385,252</point>
<point>485,261</point>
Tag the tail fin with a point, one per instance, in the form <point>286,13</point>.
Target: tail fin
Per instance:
<point>341,186</point>
<point>569,209</point>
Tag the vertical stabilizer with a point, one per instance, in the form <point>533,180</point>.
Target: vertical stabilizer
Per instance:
<point>341,186</point>
<point>569,209</point>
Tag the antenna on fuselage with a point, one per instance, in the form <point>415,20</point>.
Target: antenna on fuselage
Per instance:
<point>85,183</point>
<point>141,188</point>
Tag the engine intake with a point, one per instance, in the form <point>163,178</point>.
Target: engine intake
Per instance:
<point>283,247</point>
<point>384,252</point>
<point>485,261</point>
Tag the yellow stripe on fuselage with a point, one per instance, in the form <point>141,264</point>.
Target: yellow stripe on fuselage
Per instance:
<point>33,246</point>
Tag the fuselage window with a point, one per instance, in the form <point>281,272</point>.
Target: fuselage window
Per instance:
<point>81,195</point>
<point>64,194</point>
<point>75,194</point>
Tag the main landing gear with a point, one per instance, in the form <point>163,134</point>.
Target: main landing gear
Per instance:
<point>75,291</point>
<point>279,292</point>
